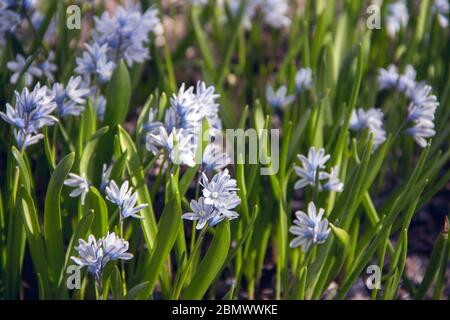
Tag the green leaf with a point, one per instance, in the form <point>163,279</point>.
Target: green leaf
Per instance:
<point>34,238</point>
<point>168,226</point>
<point>211,264</point>
<point>138,181</point>
<point>96,202</point>
<point>53,232</point>
<point>118,96</point>
<point>136,291</point>
<point>81,232</point>
<point>87,158</point>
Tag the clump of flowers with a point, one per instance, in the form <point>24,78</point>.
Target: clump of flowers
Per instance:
<point>309,229</point>
<point>397,18</point>
<point>312,172</point>
<point>218,201</point>
<point>95,254</point>
<point>422,103</point>
<point>32,111</point>
<point>126,32</point>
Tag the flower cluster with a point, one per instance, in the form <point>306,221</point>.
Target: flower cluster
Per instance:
<point>397,18</point>
<point>95,254</point>
<point>311,172</point>
<point>32,111</point>
<point>275,12</point>
<point>421,111</point>
<point>124,199</point>
<point>178,135</point>
<point>126,32</point>
<point>30,69</point>
<point>422,106</point>
<point>371,119</point>
<point>11,15</point>
<point>309,229</point>
<point>95,63</point>
<point>218,201</point>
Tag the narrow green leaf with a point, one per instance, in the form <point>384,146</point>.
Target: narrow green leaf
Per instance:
<point>211,263</point>
<point>52,217</point>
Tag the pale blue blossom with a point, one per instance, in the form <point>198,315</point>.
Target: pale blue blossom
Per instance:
<point>178,145</point>
<point>333,183</point>
<point>407,80</point>
<point>312,168</point>
<point>441,9</point>
<point>388,78</point>
<point>115,248</point>
<point>124,199</point>
<point>278,99</point>
<point>276,13</point>
<point>201,212</point>
<point>31,112</point>
<point>371,119</point>
<point>190,106</point>
<point>70,99</point>
<point>397,18</point>
<point>220,192</point>
<point>421,112</point>
<point>309,229</point>
<point>95,255</point>
<point>90,255</point>
<point>80,184</point>
<point>303,79</point>
<point>23,66</point>
<point>126,32</point>
<point>214,157</point>
<point>422,130</point>
<point>95,62</point>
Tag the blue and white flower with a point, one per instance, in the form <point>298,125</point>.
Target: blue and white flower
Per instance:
<point>124,199</point>
<point>23,66</point>
<point>371,119</point>
<point>201,212</point>
<point>179,146</point>
<point>303,79</point>
<point>214,157</point>
<point>397,18</point>
<point>81,185</point>
<point>95,254</point>
<point>312,168</point>
<point>309,229</point>
<point>95,62</point>
<point>421,112</point>
<point>90,255</point>
<point>115,248</point>
<point>220,192</point>
<point>407,80</point>
<point>126,32</point>
<point>71,99</point>
<point>276,13</point>
<point>31,112</point>
<point>278,99</point>
<point>388,78</point>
